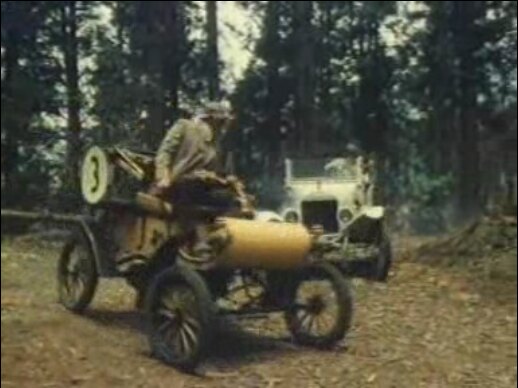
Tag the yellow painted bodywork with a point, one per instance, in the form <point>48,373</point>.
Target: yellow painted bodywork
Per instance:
<point>264,245</point>
<point>244,244</point>
<point>142,236</point>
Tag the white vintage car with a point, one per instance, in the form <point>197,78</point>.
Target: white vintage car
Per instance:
<point>336,195</point>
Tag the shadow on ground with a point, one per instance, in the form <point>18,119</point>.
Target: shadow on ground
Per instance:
<point>232,345</point>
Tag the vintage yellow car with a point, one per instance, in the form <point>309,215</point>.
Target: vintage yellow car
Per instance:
<point>254,267</point>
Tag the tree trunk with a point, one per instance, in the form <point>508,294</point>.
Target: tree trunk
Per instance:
<point>352,50</point>
<point>469,173</point>
<point>176,53</point>
<point>118,11</point>
<point>273,119</point>
<point>467,14</point>
<point>179,54</point>
<point>307,138</point>
<point>155,16</point>
<point>71,55</point>
<point>326,71</point>
<point>212,49</point>
<point>162,55</point>
<point>10,126</point>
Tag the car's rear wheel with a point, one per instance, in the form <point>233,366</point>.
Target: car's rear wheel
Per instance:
<point>77,275</point>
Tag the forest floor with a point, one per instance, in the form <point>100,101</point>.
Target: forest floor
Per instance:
<point>431,326</point>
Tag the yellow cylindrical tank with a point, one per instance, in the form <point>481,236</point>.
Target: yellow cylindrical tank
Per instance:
<point>265,245</point>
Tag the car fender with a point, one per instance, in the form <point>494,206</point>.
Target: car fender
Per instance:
<point>268,216</point>
<point>374,212</point>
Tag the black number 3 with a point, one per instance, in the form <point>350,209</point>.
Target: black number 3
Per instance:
<point>95,174</point>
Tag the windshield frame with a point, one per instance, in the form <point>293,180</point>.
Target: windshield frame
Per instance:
<point>354,175</point>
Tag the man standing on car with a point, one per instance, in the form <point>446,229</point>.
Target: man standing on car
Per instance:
<point>192,145</point>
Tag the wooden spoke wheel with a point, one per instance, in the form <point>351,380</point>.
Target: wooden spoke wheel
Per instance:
<point>77,275</point>
<point>321,308</point>
<point>179,309</point>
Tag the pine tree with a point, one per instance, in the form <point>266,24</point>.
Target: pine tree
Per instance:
<point>70,47</point>
<point>212,50</point>
<point>28,93</point>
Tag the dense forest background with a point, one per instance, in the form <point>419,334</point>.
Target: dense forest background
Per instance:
<point>429,88</point>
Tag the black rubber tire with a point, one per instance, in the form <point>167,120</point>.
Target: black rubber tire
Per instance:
<point>174,278</point>
<point>344,296</point>
<point>87,270</point>
<point>384,260</point>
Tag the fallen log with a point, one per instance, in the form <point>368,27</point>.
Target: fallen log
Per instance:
<point>42,216</point>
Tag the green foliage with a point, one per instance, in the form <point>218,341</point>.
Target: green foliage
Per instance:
<point>415,85</point>
<point>29,77</point>
<point>150,70</point>
<point>422,195</point>
<point>417,105</point>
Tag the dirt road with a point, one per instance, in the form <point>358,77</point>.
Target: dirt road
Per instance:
<point>427,328</point>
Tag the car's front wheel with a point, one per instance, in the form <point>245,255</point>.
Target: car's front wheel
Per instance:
<point>321,308</point>
<point>180,312</point>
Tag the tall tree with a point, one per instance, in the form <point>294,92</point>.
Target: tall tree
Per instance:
<point>212,49</point>
<point>470,71</point>
<point>151,70</point>
<point>371,121</point>
<point>10,127</point>
<point>455,57</point>
<point>271,48</point>
<point>119,90</point>
<point>157,41</point>
<point>69,31</point>
<point>29,81</point>
<point>306,134</point>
